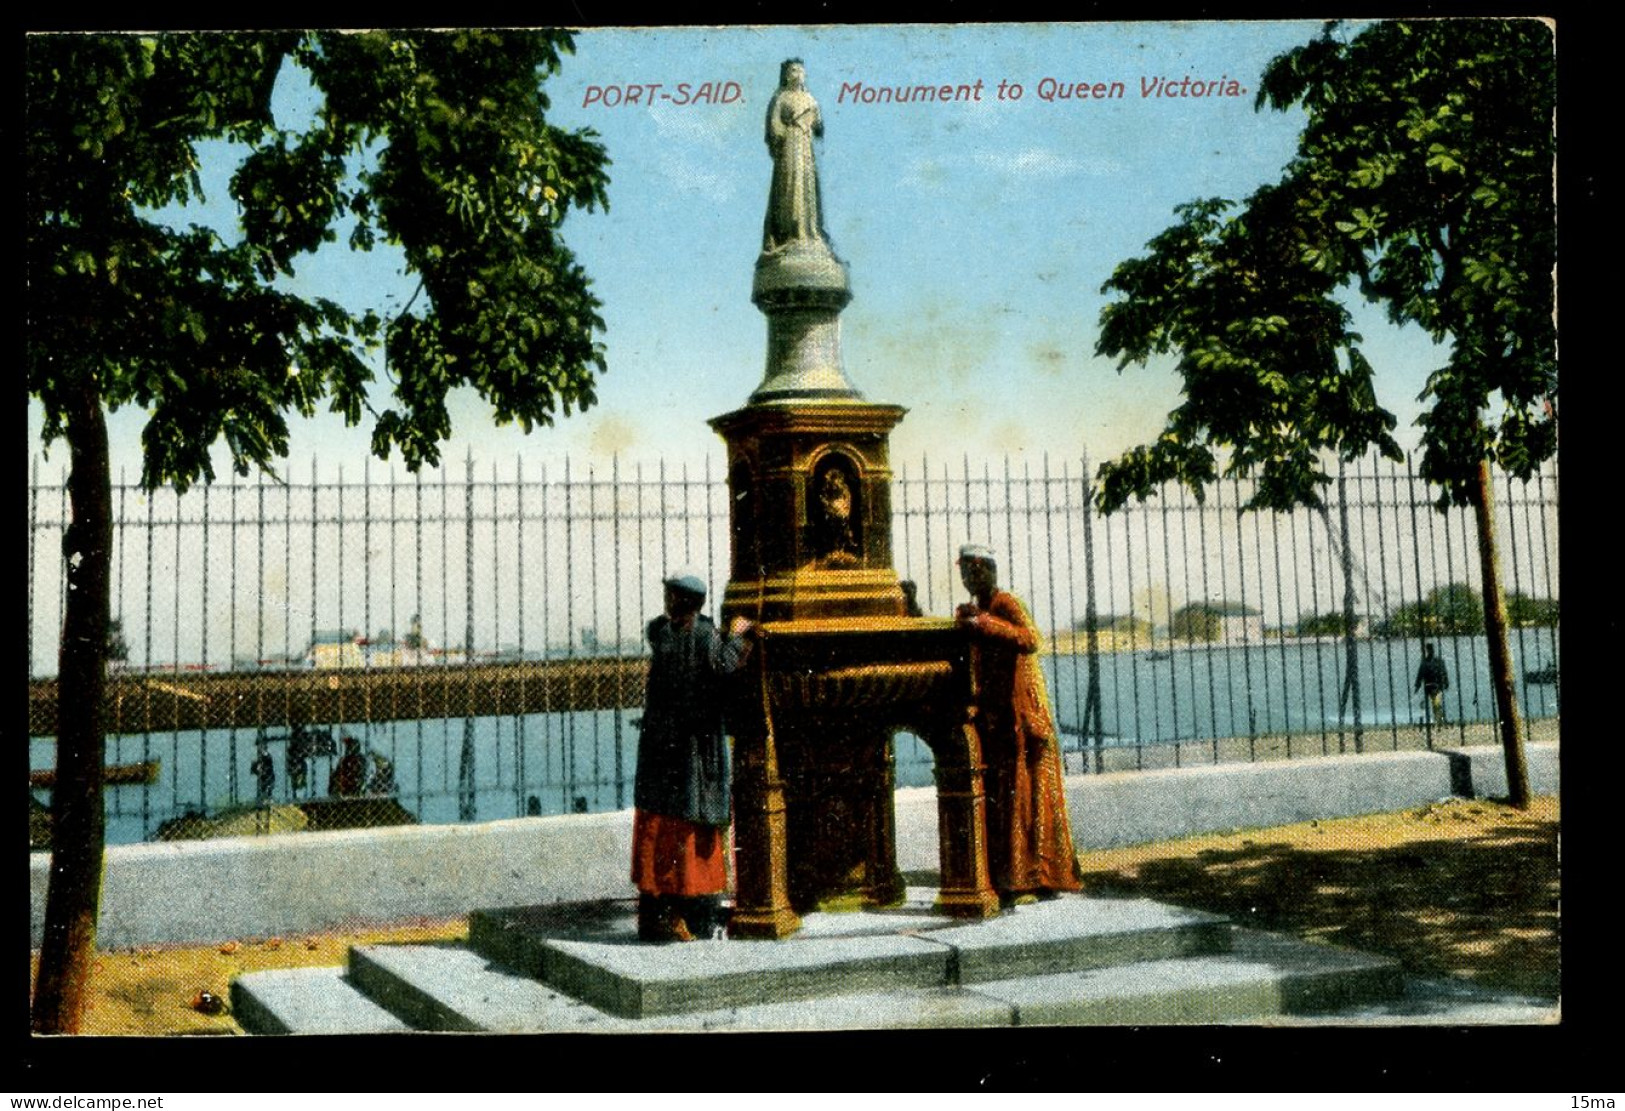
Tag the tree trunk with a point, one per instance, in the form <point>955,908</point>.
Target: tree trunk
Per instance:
<point>1495,629</point>
<point>79,830</point>
<point>1351,658</point>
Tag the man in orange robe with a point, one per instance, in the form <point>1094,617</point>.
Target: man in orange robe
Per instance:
<point>681,793</point>
<point>1030,854</point>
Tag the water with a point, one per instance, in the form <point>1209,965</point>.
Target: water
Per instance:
<point>1287,687</point>
<point>565,763</point>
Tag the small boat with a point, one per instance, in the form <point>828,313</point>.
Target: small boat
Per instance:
<point>244,820</point>
<point>1159,654</point>
<point>252,819</point>
<point>144,773</point>
<point>1541,676</point>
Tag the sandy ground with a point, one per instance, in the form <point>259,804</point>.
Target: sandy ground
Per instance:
<point>1464,888</point>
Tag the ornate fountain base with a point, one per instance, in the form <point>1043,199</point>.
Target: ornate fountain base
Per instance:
<point>812,724</point>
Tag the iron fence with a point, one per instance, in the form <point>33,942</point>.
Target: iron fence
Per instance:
<point>480,638</point>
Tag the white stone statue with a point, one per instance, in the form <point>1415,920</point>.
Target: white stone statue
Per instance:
<point>794,211</point>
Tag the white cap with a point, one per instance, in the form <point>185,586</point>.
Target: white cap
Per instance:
<point>686,580</point>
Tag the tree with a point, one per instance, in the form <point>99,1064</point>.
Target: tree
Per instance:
<point>434,142</point>
<point>1272,370</point>
<point>1451,610</point>
<point>1331,624</point>
<point>1197,621</point>
<point>117,650</point>
<point>1525,612</point>
<point>1458,608</point>
<point>1123,625</point>
<point>1423,181</point>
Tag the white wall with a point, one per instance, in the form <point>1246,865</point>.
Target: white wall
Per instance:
<point>196,891</point>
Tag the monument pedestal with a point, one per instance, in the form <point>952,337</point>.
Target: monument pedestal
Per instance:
<point>838,667</point>
<point>809,488</point>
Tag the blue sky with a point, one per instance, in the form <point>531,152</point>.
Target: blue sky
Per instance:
<point>978,235</point>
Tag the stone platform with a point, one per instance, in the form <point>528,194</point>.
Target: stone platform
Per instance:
<point>1077,960</point>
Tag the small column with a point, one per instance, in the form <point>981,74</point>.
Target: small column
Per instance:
<point>761,865</point>
<point>966,890</point>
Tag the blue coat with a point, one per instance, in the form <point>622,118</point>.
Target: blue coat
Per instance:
<point>683,764</point>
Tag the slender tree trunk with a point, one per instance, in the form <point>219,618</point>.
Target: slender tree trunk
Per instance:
<point>73,895</point>
<point>1351,658</point>
<point>1495,629</point>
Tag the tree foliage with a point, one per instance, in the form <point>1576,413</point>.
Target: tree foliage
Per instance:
<point>1452,610</point>
<point>1423,179</point>
<point>1196,622</point>
<point>1333,623</point>
<point>117,648</point>
<point>1126,625</point>
<point>1272,371</point>
<point>435,142</point>
<point>1525,611</point>
<point>1426,167</point>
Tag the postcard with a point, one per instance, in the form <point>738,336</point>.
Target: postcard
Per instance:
<point>769,528</point>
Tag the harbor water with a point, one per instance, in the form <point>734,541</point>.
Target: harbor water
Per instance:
<point>480,769</point>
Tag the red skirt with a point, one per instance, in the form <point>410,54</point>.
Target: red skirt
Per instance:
<point>673,856</point>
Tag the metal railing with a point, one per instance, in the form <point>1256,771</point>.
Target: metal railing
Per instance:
<point>480,638</point>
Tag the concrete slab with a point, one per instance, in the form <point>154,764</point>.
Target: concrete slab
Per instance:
<point>1261,976</point>
<point>470,993</point>
<point>513,936</point>
<point>916,913</point>
<point>591,951</point>
<point>453,988</point>
<point>1077,960</point>
<point>637,981</point>
<point>1264,980</point>
<point>1078,932</point>
<point>520,938</point>
<point>307,1001</point>
<point>907,1009</point>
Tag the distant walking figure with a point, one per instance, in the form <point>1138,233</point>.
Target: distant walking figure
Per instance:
<point>264,774</point>
<point>1432,679</point>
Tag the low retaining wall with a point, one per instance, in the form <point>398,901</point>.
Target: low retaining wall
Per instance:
<point>196,891</point>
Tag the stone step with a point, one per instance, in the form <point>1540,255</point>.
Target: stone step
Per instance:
<point>455,988</point>
<point>451,987</point>
<point>591,952</point>
<point>307,1001</point>
<point>1263,978</point>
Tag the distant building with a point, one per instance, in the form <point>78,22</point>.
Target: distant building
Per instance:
<point>1113,633</point>
<point>335,648</point>
<point>1220,622</point>
<point>346,648</point>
